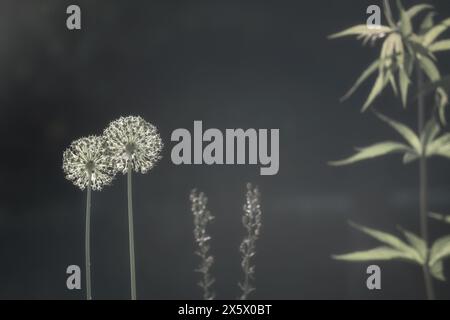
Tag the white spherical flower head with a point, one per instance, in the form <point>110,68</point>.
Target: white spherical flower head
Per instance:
<point>86,162</point>
<point>135,142</point>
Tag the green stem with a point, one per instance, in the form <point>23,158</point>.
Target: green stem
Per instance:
<point>388,14</point>
<point>87,242</point>
<point>423,176</point>
<point>131,233</point>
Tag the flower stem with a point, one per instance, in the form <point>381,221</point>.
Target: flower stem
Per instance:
<point>87,242</point>
<point>131,233</point>
<point>423,176</point>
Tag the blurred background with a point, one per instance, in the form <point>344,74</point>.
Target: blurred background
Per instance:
<point>231,64</point>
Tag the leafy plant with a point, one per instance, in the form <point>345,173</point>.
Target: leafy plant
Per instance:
<point>252,224</point>
<point>402,50</point>
<point>407,47</point>
<point>202,218</point>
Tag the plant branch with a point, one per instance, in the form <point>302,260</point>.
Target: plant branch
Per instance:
<point>423,176</point>
<point>252,223</point>
<point>202,218</point>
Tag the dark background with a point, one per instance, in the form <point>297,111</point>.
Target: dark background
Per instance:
<point>231,64</point>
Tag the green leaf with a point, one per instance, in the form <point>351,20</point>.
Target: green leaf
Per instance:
<point>416,242</point>
<point>437,271</point>
<point>378,87</point>
<point>441,143</point>
<point>442,45</point>
<point>405,20</point>
<point>392,82</point>
<point>388,14</point>
<point>410,157</point>
<point>439,217</point>
<point>377,254</point>
<point>376,150</point>
<point>444,152</point>
<point>366,74</point>
<point>427,23</point>
<point>405,131</point>
<point>404,86</point>
<point>419,51</point>
<point>435,32</point>
<point>440,250</point>
<point>384,237</point>
<point>361,29</point>
<point>430,132</point>
<point>415,10</point>
<point>441,102</point>
<point>430,68</point>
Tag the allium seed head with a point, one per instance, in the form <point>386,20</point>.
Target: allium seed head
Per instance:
<point>87,160</point>
<point>132,140</point>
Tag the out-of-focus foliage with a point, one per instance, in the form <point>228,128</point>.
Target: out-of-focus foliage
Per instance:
<point>428,142</point>
<point>406,45</point>
<point>414,250</point>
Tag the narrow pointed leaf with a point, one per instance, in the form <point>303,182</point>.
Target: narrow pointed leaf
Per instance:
<point>410,157</point>
<point>405,131</point>
<point>415,10</point>
<point>430,132</point>
<point>405,20</point>
<point>442,45</point>
<point>439,217</point>
<point>377,88</point>
<point>435,32</point>
<point>404,86</point>
<point>437,271</point>
<point>393,84</point>
<point>442,102</point>
<point>444,152</point>
<point>441,143</point>
<point>440,250</point>
<point>430,69</point>
<point>377,254</point>
<point>416,242</point>
<point>427,23</point>
<point>374,151</point>
<point>385,238</point>
<point>366,74</point>
<point>388,14</point>
<point>361,29</point>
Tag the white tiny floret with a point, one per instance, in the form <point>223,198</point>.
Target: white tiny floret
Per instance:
<point>87,161</point>
<point>132,140</point>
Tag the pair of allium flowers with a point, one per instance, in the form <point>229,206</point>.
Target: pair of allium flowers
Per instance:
<point>127,144</point>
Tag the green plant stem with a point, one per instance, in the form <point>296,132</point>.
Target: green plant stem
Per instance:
<point>87,242</point>
<point>131,233</point>
<point>423,176</point>
<point>388,13</point>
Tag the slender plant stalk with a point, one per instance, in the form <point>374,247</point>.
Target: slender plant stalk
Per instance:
<point>87,242</point>
<point>131,233</point>
<point>202,218</point>
<point>388,12</point>
<point>423,176</point>
<point>252,223</point>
